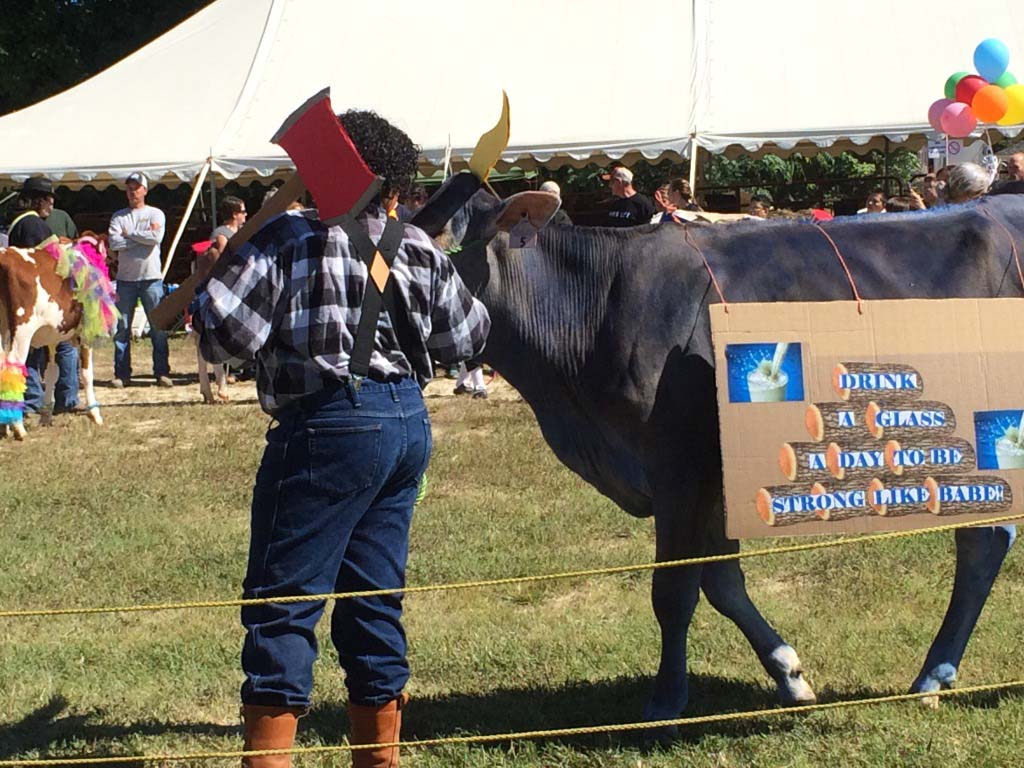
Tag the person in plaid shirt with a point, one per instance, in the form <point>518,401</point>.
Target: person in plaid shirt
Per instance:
<point>335,490</point>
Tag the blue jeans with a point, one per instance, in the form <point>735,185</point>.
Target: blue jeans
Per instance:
<point>128,294</point>
<point>331,512</point>
<point>65,394</point>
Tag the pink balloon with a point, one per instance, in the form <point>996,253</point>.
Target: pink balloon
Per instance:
<point>935,113</point>
<point>958,120</point>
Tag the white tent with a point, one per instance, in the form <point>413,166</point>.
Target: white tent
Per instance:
<point>603,79</point>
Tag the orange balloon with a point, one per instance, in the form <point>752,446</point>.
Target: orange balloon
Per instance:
<point>990,104</point>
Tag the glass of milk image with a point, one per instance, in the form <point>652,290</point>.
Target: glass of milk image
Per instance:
<point>1010,450</point>
<point>767,382</point>
<point>765,372</point>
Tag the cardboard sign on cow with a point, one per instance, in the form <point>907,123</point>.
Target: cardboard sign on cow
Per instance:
<point>908,415</point>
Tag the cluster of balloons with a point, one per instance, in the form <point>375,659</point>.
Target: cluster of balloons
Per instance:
<point>991,96</point>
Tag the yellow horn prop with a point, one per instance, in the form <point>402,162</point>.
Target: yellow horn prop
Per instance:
<point>491,145</point>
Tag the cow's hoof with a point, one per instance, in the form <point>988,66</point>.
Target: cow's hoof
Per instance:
<point>19,431</point>
<point>223,396</point>
<point>46,418</point>
<point>94,414</point>
<point>662,736</point>
<point>941,678</point>
<point>660,709</point>
<point>788,673</point>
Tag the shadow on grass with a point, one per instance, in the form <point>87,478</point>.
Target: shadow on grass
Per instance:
<point>582,705</point>
<point>502,710</point>
<point>44,730</point>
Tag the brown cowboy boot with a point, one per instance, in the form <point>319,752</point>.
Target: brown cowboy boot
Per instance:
<point>269,728</point>
<point>376,725</point>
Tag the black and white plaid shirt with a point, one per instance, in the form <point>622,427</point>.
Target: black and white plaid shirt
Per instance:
<point>290,298</point>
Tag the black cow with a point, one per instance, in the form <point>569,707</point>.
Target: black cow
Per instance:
<point>606,334</point>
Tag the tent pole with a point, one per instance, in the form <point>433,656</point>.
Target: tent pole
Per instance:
<point>213,203</point>
<point>885,167</point>
<point>196,189</point>
<point>694,149</point>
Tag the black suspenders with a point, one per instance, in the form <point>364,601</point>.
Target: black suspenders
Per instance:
<point>380,293</point>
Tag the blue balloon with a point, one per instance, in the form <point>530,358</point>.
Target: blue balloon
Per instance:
<point>991,58</point>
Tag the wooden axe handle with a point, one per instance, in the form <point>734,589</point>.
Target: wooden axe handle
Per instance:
<point>166,312</point>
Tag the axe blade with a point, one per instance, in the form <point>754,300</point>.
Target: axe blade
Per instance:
<point>326,159</point>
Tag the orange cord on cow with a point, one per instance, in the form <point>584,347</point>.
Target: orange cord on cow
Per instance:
<point>707,264</point>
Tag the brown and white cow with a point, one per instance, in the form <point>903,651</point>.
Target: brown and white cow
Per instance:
<point>38,308</point>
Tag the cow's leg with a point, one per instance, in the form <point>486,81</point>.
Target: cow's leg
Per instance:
<point>220,370</point>
<point>87,374</point>
<point>674,595</point>
<point>204,374</point>
<point>49,386</point>
<point>725,588</point>
<point>979,556</point>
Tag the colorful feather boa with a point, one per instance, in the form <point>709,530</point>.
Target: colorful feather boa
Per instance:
<point>85,265</point>
<point>12,392</point>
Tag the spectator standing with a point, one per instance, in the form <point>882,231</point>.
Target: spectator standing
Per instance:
<point>471,380</point>
<point>561,218</point>
<point>664,207</point>
<point>232,216</point>
<point>134,237</point>
<point>930,193</point>
<point>966,181</point>
<point>335,490</point>
<point>32,227</point>
<point>681,195</point>
<point>758,208</point>
<point>28,228</point>
<point>902,203</point>
<point>62,225</point>
<point>412,202</point>
<point>630,208</point>
<point>1015,167</point>
<point>875,203</point>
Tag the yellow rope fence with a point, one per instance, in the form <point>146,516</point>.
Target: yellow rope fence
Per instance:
<point>520,736</point>
<point>501,737</point>
<point>513,580</point>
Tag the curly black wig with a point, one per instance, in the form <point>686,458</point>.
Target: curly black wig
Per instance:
<point>387,150</point>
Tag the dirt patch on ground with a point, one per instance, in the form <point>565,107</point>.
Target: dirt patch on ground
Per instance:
<point>143,389</point>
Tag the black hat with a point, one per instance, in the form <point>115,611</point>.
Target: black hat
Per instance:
<point>37,185</point>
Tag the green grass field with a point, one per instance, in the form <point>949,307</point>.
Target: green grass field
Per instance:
<point>153,507</point>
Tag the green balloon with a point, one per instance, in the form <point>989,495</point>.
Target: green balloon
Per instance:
<point>952,82</point>
<point>1005,80</point>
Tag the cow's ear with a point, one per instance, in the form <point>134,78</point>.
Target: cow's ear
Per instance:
<point>539,207</point>
<point>445,203</point>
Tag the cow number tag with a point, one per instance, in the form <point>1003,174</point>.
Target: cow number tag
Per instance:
<point>523,234</point>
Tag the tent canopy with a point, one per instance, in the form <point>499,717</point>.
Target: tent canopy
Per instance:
<point>613,79</point>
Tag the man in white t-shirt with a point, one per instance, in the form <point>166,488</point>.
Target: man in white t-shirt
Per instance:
<point>134,236</point>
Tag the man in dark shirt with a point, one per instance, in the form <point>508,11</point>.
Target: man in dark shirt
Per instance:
<point>29,229</point>
<point>334,494</point>
<point>630,208</point>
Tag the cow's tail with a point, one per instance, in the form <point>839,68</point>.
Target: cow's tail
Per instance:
<point>12,391</point>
